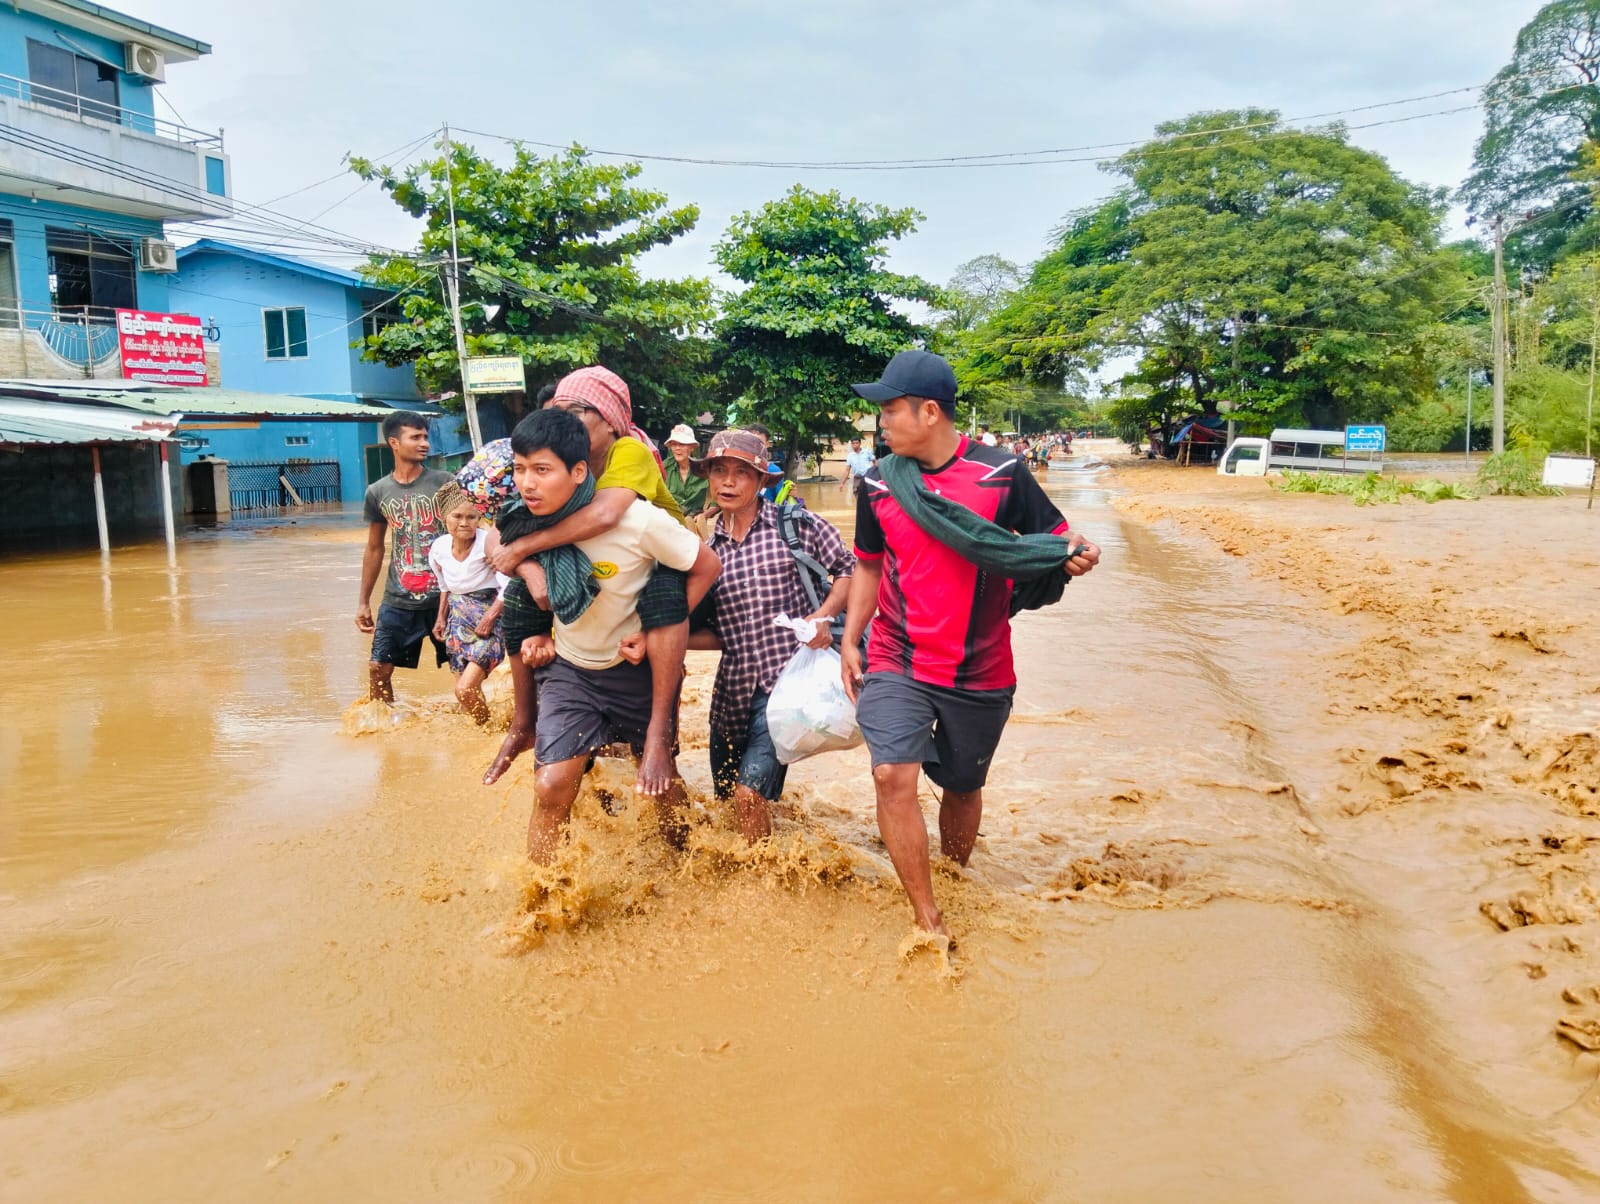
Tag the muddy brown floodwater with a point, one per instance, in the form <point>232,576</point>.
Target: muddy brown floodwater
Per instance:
<point>1289,889</point>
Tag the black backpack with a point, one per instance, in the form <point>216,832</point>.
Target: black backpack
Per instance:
<point>813,575</point>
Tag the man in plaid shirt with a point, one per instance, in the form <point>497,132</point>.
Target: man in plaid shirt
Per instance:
<point>760,580</point>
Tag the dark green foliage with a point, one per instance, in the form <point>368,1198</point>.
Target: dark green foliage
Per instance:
<point>554,243</point>
<point>1281,270</point>
<point>815,314</point>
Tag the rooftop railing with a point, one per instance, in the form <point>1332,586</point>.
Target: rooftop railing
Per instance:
<point>88,109</point>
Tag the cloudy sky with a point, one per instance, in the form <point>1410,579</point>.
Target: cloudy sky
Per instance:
<point>296,84</point>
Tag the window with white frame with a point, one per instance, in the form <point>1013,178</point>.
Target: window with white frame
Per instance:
<point>297,440</point>
<point>375,319</point>
<point>285,333</point>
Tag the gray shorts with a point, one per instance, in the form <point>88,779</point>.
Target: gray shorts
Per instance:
<point>583,710</point>
<point>952,734</point>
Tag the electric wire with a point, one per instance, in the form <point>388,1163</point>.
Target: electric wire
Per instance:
<point>405,150</point>
<point>173,188</point>
<point>1055,154</point>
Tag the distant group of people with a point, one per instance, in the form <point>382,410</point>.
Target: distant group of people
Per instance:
<point>1035,451</point>
<point>607,561</point>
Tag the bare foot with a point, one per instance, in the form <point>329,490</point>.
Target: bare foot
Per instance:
<point>657,771</point>
<point>517,742</point>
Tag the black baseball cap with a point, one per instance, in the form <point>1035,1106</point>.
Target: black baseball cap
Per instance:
<point>913,374</point>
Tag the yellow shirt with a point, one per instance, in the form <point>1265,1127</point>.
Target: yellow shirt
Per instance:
<point>629,465</point>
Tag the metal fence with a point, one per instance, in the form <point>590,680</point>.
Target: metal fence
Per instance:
<point>29,92</point>
<point>260,484</point>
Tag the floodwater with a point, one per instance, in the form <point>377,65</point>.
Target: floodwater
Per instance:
<point>258,942</point>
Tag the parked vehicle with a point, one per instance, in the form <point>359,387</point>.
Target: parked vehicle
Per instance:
<point>1300,450</point>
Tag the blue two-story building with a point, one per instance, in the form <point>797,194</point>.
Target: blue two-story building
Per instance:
<point>286,325</point>
<point>89,175</point>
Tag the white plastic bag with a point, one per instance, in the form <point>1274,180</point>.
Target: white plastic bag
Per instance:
<point>808,711</point>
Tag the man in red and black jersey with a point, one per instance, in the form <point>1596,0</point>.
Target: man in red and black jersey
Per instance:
<point>936,690</point>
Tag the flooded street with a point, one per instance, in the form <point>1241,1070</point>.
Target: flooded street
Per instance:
<point>1288,889</point>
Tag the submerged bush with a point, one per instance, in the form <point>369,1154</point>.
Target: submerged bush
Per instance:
<point>1516,472</point>
<point>1372,487</point>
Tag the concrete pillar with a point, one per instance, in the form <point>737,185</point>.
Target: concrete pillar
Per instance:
<point>100,502</point>
<point>166,506</point>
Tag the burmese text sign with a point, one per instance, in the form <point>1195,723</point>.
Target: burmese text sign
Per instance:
<point>169,348</point>
<point>1365,438</point>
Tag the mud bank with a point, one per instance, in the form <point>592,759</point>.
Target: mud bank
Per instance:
<point>1273,900</point>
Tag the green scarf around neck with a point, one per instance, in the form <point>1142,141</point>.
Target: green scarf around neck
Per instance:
<point>568,573</point>
<point>1036,563</point>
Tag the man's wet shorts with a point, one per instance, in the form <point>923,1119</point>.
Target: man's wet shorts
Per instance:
<point>952,734</point>
<point>583,710</point>
<point>398,635</point>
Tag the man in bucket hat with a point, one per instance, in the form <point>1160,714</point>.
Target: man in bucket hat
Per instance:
<point>625,470</point>
<point>943,567</point>
<point>760,580</point>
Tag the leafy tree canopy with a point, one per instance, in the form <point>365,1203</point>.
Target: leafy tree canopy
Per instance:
<point>553,247</point>
<point>1282,270</point>
<point>817,311</point>
<point>1540,112</point>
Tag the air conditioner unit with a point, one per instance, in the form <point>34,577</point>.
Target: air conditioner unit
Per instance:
<point>145,60</point>
<point>156,255</point>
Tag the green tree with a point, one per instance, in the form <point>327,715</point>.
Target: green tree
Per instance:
<point>1541,110</point>
<point>817,312</point>
<point>1282,270</point>
<point>553,246</point>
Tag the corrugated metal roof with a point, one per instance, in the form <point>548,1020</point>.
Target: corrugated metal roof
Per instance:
<point>194,402</point>
<point>305,267</point>
<point>34,422</point>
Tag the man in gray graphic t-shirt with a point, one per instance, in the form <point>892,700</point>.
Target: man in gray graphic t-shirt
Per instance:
<point>401,504</point>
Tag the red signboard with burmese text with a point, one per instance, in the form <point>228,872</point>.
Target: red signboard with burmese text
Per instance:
<point>169,348</point>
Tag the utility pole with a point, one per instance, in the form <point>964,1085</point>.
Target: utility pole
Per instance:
<point>453,283</point>
<point>1594,337</point>
<point>1467,453</point>
<point>1498,334</point>
<point>1238,386</point>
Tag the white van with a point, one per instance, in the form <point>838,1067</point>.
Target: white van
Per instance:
<point>1302,451</point>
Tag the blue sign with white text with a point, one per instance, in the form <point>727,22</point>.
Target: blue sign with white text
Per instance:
<point>1364,438</point>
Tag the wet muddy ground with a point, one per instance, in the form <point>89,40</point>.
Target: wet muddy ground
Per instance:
<point>1289,889</point>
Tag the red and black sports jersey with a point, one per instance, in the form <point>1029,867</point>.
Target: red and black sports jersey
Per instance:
<point>941,620</point>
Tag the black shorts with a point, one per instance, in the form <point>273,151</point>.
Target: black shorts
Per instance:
<point>952,734</point>
<point>583,710</point>
<point>397,638</point>
<point>522,617</point>
<point>664,600</point>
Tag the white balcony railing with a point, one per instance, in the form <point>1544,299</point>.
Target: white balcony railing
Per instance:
<point>86,109</point>
<point>81,335</point>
